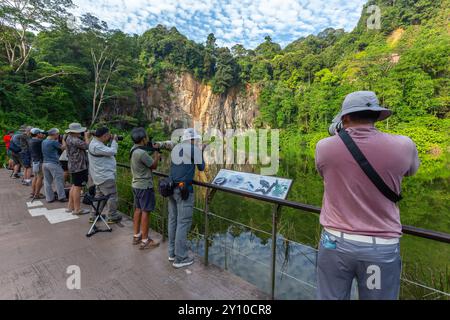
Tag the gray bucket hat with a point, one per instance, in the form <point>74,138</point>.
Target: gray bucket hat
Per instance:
<point>362,101</point>
<point>75,128</point>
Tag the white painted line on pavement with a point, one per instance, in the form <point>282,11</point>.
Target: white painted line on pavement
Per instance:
<point>38,212</point>
<point>34,204</point>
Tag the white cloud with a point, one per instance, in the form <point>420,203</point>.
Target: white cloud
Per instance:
<point>232,21</point>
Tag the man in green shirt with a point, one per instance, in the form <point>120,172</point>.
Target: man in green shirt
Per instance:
<point>144,196</point>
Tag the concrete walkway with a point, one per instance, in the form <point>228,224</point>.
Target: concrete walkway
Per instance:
<point>38,244</point>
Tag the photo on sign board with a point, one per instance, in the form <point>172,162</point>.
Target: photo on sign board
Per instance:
<point>265,185</point>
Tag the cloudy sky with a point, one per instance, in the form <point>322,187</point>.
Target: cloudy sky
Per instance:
<point>232,21</point>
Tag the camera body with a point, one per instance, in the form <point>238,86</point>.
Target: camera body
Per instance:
<point>335,127</point>
<point>150,148</point>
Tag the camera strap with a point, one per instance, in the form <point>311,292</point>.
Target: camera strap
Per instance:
<point>134,149</point>
<point>367,167</point>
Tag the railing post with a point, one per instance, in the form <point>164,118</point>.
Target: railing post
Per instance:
<point>275,211</point>
<point>164,214</point>
<point>209,195</point>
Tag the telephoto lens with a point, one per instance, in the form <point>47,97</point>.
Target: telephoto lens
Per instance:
<point>335,127</point>
<point>119,138</point>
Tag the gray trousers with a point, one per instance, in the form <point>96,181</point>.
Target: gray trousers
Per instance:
<point>53,173</point>
<point>376,267</point>
<point>180,221</point>
<point>109,188</point>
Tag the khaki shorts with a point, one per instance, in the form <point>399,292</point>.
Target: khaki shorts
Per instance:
<point>37,169</point>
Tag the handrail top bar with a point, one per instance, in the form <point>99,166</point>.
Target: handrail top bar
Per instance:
<point>411,230</point>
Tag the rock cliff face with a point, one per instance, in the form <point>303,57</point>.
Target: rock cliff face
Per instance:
<point>179,100</point>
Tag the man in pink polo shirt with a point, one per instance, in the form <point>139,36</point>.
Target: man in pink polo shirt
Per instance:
<point>361,225</point>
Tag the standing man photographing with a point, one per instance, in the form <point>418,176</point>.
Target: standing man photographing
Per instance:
<point>77,165</point>
<point>143,192</point>
<point>53,171</point>
<point>102,168</point>
<point>37,136</point>
<point>362,170</point>
<point>185,158</point>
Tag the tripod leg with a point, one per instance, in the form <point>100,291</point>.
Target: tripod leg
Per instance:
<point>93,225</point>
<point>106,224</point>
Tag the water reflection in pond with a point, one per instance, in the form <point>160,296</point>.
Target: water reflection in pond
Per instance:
<point>249,257</point>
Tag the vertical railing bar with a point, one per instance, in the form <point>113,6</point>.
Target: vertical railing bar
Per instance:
<point>209,195</point>
<point>276,209</point>
<point>164,213</point>
<point>206,232</point>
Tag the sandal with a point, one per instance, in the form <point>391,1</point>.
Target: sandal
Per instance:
<point>81,212</point>
<point>147,244</point>
<point>137,240</point>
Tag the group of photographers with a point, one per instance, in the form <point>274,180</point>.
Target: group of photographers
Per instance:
<point>91,159</point>
<point>360,214</point>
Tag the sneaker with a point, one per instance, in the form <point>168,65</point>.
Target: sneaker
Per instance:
<point>26,183</point>
<point>115,220</point>
<point>171,258</point>
<point>68,210</point>
<point>64,200</point>
<point>16,176</point>
<point>184,263</point>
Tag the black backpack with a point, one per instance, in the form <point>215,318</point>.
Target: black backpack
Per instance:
<point>166,187</point>
<point>14,147</point>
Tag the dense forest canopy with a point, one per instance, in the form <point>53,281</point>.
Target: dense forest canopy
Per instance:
<point>53,71</point>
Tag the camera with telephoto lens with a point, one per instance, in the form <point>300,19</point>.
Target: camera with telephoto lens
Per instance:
<point>150,148</point>
<point>335,127</point>
<point>119,138</point>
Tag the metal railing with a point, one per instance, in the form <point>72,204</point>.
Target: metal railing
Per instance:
<point>277,205</point>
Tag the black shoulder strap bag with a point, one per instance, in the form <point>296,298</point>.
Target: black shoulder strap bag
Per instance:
<point>367,167</point>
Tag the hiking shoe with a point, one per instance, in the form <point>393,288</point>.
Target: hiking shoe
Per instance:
<point>112,221</point>
<point>184,263</point>
<point>148,244</point>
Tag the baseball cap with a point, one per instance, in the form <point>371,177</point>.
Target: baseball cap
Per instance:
<point>36,131</point>
<point>53,131</point>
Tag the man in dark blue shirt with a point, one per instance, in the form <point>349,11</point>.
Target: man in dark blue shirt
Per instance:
<point>53,171</point>
<point>185,157</point>
<point>37,136</point>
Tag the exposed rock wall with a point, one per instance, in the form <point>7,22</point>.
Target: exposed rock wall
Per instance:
<point>180,100</point>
